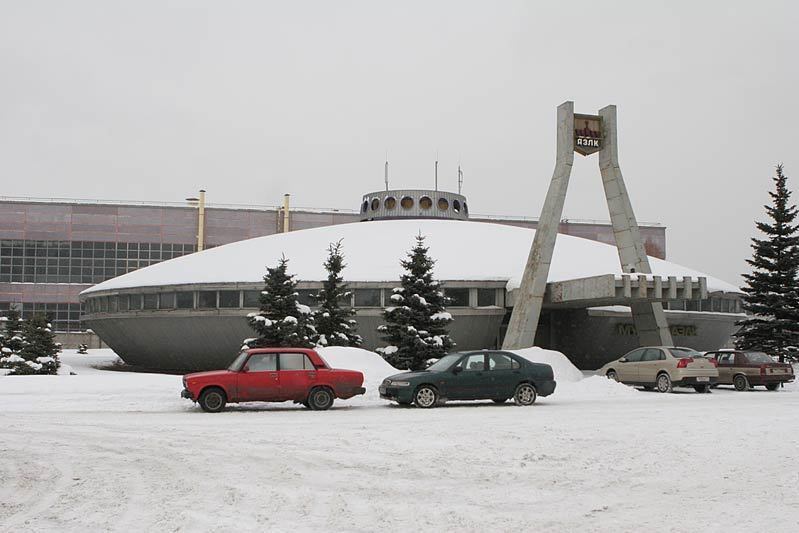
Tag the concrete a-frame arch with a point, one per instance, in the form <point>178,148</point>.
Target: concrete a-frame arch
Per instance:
<point>649,319</point>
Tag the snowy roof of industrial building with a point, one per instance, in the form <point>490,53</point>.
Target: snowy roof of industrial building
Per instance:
<point>476,251</point>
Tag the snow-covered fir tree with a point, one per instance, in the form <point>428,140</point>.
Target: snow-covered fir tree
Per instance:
<point>771,296</point>
<point>28,347</point>
<point>282,321</point>
<point>416,325</point>
<point>11,345</point>
<point>41,350</point>
<point>334,323</point>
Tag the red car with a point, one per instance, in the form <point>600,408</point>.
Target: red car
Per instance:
<point>273,375</point>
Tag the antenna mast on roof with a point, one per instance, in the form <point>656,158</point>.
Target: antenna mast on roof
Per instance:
<point>436,171</point>
<point>386,171</point>
<point>460,178</point>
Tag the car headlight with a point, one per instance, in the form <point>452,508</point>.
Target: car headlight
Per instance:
<point>401,383</point>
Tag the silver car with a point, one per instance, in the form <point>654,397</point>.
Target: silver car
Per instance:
<point>663,367</point>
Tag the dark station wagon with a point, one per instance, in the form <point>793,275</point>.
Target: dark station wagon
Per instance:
<point>747,369</point>
<point>483,375</point>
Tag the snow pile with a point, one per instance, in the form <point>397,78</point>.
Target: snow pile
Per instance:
<point>375,369</point>
<point>572,384</point>
<point>563,369</point>
<point>594,388</point>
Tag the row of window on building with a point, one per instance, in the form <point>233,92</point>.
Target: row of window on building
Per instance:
<point>65,317</point>
<point>234,299</point>
<point>26,261</point>
<point>389,203</point>
<point>715,305</point>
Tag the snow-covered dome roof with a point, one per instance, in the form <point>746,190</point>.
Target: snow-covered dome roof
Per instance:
<point>475,251</point>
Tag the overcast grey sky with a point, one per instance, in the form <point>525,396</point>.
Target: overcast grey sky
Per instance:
<point>151,100</point>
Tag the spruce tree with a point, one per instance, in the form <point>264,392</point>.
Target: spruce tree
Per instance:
<point>416,326</point>
<point>28,346</point>
<point>334,324</point>
<point>13,343</point>
<point>282,321</point>
<point>770,296</point>
<point>41,350</point>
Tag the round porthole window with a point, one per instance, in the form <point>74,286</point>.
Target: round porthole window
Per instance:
<point>406,202</point>
<point>443,204</point>
<point>456,206</point>
<point>390,203</point>
<point>375,204</point>
<point>425,202</point>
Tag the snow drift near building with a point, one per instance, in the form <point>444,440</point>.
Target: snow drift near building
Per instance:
<point>563,369</point>
<point>375,369</point>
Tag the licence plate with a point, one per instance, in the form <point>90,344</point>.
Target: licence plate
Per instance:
<point>702,379</point>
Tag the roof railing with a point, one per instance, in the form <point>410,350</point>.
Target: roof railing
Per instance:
<point>264,207</point>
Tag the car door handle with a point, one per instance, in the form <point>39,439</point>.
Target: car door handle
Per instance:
<point>273,374</point>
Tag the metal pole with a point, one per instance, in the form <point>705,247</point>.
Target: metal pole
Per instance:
<point>286,212</point>
<point>201,222</point>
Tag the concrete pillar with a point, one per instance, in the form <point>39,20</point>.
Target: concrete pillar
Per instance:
<point>530,296</point>
<point>649,319</point>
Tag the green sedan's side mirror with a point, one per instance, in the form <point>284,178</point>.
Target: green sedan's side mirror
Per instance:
<point>457,370</point>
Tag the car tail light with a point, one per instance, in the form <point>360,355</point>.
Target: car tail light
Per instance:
<point>714,362</point>
<point>762,370</point>
<point>683,362</point>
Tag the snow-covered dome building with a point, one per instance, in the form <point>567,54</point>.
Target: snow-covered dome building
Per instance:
<point>188,312</point>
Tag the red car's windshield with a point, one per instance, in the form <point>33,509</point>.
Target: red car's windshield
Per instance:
<point>235,366</point>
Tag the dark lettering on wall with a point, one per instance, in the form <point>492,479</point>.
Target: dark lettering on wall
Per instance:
<point>676,330</point>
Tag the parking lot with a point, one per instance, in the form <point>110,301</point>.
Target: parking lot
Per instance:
<point>122,451</point>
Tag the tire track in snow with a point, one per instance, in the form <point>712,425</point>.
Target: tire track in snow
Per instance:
<point>43,483</point>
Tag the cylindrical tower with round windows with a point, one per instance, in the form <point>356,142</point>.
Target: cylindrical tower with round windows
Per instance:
<point>414,203</point>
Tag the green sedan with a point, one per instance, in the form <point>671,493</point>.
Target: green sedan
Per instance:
<point>483,375</point>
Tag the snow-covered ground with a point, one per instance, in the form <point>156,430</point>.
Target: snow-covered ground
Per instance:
<point>120,451</point>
